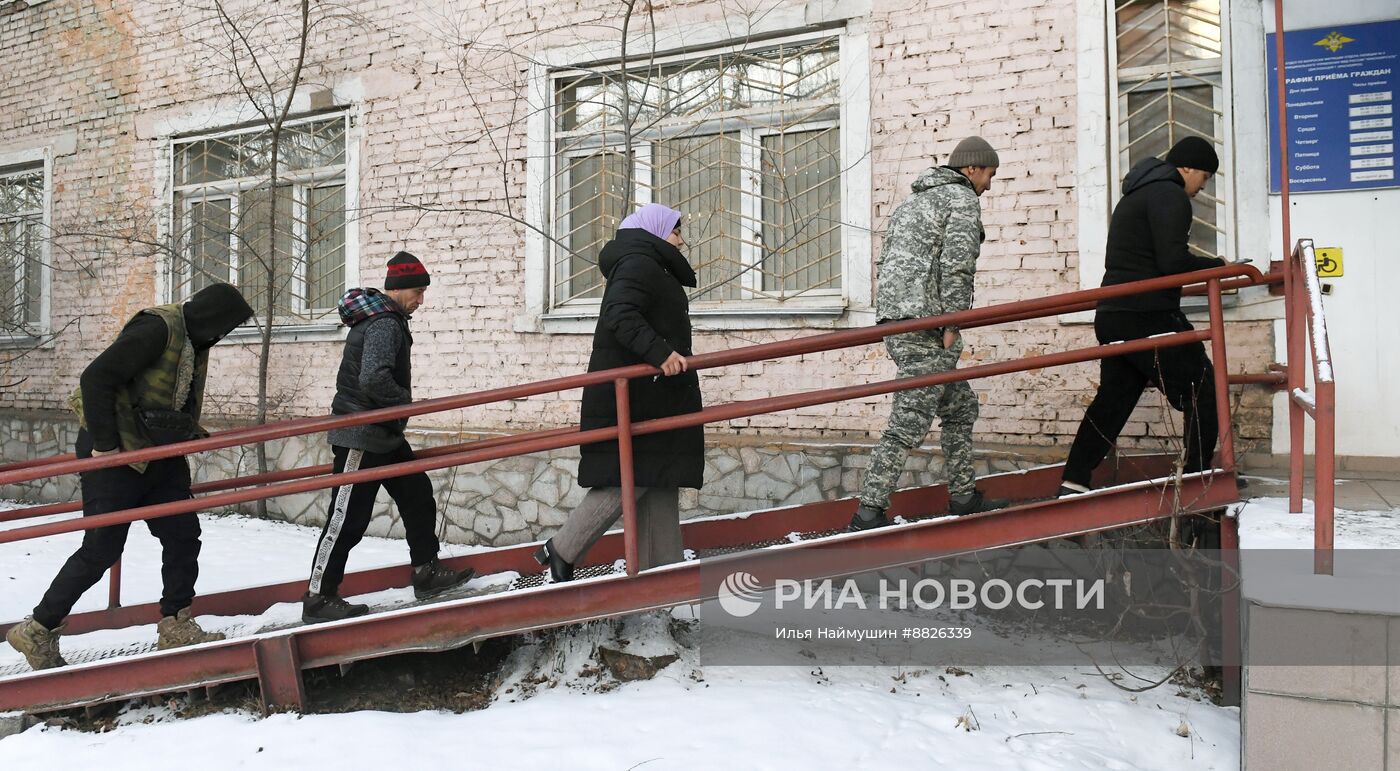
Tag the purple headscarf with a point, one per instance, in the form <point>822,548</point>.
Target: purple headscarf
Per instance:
<point>654,218</point>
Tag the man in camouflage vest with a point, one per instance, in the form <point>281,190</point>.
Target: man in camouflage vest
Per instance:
<point>145,389</point>
<point>926,269</point>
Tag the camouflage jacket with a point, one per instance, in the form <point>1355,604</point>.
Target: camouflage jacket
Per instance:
<point>931,244</point>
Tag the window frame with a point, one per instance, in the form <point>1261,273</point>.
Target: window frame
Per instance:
<point>26,162</point>
<point>1224,214</point>
<point>1097,160</point>
<point>563,226</point>
<point>309,324</point>
<point>753,196</point>
<point>1226,209</point>
<point>851,306</point>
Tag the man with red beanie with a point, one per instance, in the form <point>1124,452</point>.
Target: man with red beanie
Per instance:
<point>375,372</point>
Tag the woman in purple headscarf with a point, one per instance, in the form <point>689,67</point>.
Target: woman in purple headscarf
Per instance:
<point>644,318</point>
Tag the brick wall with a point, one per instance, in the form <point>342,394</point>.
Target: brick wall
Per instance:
<point>443,129</point>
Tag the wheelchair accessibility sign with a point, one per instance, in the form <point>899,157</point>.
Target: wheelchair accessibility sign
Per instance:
<point>1329,261</point>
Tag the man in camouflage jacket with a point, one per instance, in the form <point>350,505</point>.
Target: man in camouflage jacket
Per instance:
<point>926,269</point>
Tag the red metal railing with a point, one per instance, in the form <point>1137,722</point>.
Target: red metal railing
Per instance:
<point>1307,328</point>
<point>1304,319</point>
<point>289,482</point>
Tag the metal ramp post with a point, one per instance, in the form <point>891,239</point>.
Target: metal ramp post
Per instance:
<point>279,674</point>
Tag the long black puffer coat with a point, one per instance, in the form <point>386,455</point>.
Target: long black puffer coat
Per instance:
<point>645,316</point>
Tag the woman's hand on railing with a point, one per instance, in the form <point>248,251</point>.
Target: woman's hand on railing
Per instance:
<point>675,364</point>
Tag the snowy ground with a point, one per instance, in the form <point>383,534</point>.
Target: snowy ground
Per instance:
<point>687,717</point>
<point>1266,523</point>
<point>1277,560</point>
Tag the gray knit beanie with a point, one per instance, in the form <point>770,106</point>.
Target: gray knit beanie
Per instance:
<point>973,151</point>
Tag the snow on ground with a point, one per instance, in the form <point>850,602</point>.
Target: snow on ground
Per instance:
<point>1266,523</point>
<point>689,716</point>
<point>1277,558</point>
<point>237,552</point>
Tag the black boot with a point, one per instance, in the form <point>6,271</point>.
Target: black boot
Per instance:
<point>559,570</point>
<point>867,518</point>
<point>328,607</point>
<point>433,578</point>
<point>974,503</point>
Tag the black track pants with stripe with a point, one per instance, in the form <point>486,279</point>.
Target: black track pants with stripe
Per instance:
<point>351,508</point>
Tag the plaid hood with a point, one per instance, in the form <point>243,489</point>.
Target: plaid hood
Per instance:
<point>363,304</point>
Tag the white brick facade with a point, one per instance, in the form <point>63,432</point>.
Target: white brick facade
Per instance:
<point>440,144</point>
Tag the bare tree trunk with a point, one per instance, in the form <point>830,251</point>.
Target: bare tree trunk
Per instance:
<point>275,116</point>
<point>628,153</point>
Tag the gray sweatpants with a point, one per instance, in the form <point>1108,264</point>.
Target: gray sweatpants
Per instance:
<point>658,524</point>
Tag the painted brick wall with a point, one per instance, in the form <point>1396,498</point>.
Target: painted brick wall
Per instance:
<point>443,162</point>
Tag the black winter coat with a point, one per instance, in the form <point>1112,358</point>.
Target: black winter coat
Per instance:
<point>645,316</point>
<point>376,370</point>
<point>1148,237</point>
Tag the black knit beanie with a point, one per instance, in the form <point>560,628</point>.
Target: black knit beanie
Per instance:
<point>406,272</point>
<point>1194,153</point>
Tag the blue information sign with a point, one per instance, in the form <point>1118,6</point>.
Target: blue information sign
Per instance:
<point>1341,86</point>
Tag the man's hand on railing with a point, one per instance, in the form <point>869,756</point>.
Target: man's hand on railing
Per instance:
<point>675,364</point>
<point>113,451</point>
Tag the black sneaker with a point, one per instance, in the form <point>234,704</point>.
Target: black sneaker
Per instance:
<point>866,518</point>
<point>433,578</point>
<point>973,504</point>
<point>328,607</point>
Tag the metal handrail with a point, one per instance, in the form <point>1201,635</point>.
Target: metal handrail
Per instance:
<point>1306,325</point>
<point>1215,279</point>
<point>995,314</point>
<point>1273,379</point>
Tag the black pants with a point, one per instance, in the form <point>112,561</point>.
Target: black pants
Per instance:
<point>352,506</point>
<point>1182,372</point>
<point>114,489</point>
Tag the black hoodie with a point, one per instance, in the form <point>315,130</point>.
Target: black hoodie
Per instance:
<point>211,313</point>
<point>1148,237</point>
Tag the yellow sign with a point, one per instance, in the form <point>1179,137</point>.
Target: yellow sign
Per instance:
<point>1329,261</point>
<point>1334,42</point>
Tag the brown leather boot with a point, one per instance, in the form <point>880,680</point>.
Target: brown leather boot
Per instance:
<point>38,644</point>
<point>180,630</point>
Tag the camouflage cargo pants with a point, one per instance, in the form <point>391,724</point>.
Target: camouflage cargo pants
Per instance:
<point>921,353</point>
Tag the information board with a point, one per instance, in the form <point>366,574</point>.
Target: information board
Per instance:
<point>1341,86</point>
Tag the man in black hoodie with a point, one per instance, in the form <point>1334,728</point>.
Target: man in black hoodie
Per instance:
<point>375,371</point>
<point>1149,237</point>
<point>145,389</point>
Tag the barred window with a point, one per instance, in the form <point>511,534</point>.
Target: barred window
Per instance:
<point>224,215</point>
<point>1170,57</point>
<point>21,240</point>
<point>747,144</point>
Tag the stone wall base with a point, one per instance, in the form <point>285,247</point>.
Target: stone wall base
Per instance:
<point>516,500</point>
